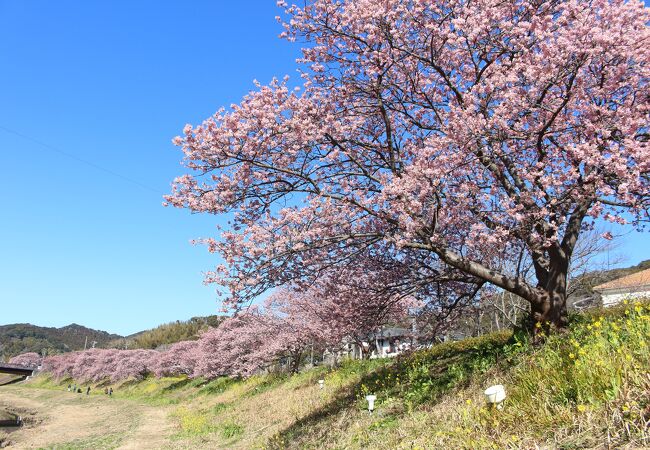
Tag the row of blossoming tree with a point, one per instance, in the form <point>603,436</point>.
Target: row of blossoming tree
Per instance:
<point>470,141</point>
<point>290,323</point>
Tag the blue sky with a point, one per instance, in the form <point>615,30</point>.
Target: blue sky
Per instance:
<point>112,83</point>
<point>91,95</point>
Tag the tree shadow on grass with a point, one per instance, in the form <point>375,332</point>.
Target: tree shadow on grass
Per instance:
<point>130,382</point>
<point>415,378</point>
<point>178,384</point>
<point>104,383</point>
<point>267,383</point>
<point>12,381</point>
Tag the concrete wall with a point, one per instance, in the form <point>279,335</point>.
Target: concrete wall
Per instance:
<point>615,297</point>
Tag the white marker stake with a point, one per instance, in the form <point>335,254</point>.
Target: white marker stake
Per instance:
<point>495,395</point>
<point>371,402</point>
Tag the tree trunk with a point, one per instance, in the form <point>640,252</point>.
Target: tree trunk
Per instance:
<point>549,309</point>
<point>294,364</point>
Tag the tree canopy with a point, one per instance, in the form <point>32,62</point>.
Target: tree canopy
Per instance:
<point>458,139</point>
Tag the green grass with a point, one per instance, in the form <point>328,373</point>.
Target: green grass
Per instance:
<point>99,442</point>
<point>230,430</point>
<point>583,388</point>
<point>194,423</point>
<point>423,376</point>
<point>216,386</point>
<point>221,407</point>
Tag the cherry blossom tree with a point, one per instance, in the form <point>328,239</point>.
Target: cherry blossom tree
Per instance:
<point>30,359</point>
<point>135,364</point>
<point>350,303</point>
<point>345,305</point>
<point>59,365</point>
<point>179,359</point>
<point>461,133</point>
<point>232,349</point>
<point>95,365</point>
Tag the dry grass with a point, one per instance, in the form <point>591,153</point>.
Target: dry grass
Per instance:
<point>588,388</point>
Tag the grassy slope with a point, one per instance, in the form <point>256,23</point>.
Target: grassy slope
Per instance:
<point>584,389</point>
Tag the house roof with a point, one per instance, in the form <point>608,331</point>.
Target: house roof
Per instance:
<point>630,281</point>
<point>391,332</point>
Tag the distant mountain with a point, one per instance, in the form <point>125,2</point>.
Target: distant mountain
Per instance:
<point>24,337</point>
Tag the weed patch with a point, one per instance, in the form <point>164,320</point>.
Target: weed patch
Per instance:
<point>193,423</point>
<point>231,430</point>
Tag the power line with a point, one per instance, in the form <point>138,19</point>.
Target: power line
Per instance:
<point>78,159</point>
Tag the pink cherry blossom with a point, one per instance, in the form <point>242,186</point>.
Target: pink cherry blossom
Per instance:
<point>30,359</point>
<point>460,137</point>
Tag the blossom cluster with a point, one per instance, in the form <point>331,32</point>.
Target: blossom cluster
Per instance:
<point>96,364</point>
<point>30,359</point>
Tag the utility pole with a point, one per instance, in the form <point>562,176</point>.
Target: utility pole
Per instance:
<point>86,343</point>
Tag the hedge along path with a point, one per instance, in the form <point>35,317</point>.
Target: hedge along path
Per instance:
<point>62,418</point>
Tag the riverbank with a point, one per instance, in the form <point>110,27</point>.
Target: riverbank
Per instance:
<point>61,419</point>
<point>585,388</point>
<point>13,418</point>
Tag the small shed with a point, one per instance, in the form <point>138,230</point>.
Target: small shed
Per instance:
<point>629,287</point>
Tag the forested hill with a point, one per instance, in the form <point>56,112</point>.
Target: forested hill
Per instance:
<point>582,286</point>
<point>169,333</point>
<point>24,337</point>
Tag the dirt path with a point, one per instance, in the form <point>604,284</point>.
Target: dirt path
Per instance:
<point>56,419</point>
<point>152,431</point>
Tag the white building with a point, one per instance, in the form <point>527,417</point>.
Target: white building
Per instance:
<point>389,342</point>
<point>629,287</point>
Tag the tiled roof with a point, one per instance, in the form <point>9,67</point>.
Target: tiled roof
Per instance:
<point>636,279</point>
